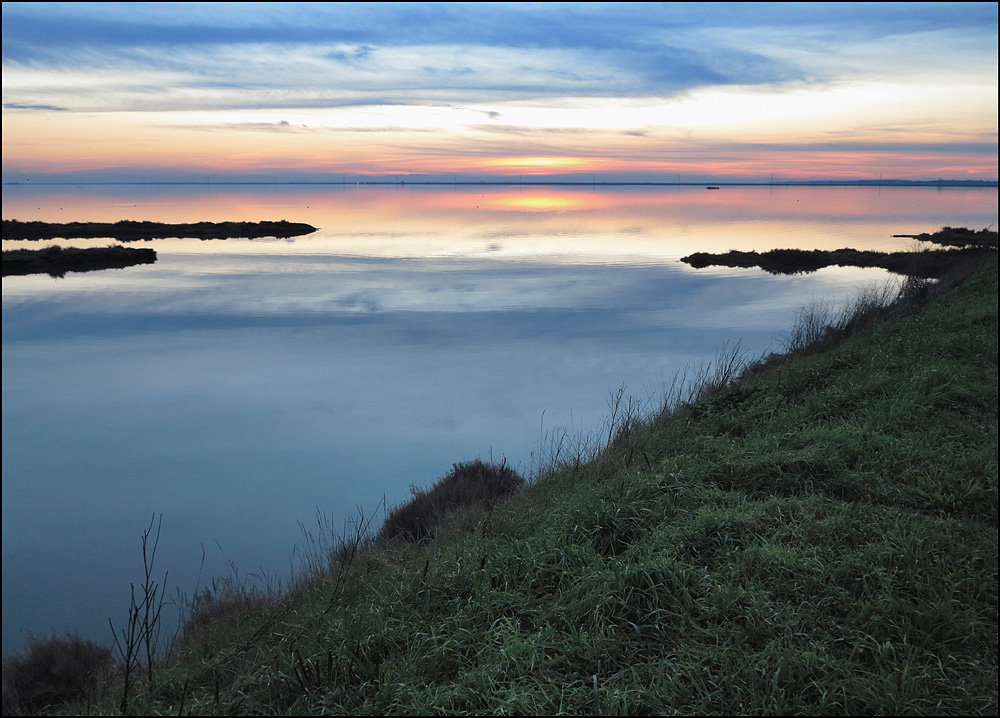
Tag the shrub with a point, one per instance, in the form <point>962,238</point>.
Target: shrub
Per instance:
<point>468,485</point>
<point>55,670</point>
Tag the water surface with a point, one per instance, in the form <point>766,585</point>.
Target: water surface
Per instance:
<point>236,387</point>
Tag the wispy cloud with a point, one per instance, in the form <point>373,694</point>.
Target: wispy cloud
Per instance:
<point>302,54</point>
<point>44,108</point>
<point>642,71</point>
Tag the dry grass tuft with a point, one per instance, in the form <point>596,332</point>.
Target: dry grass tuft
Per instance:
<point>472,484</point>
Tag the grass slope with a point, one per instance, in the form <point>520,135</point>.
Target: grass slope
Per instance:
<point>820,537</point>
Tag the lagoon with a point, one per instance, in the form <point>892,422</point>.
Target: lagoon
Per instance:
<point>238,387</point>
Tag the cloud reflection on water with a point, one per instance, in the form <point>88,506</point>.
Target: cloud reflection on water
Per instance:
<point>236,386</point>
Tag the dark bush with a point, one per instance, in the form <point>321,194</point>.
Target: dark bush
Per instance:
<point>55,670</point>
<point>467,485</point>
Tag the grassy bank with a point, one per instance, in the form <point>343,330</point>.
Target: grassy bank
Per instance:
<point>818,537</point>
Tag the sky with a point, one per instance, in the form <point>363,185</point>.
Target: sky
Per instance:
<point>599,92</point>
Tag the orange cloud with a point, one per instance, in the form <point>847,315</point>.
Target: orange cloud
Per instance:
<point>36,141</point>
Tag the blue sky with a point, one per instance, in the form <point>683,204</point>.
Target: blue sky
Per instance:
<point>644,90</point>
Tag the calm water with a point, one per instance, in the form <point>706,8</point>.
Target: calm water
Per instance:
<point>238,387</point>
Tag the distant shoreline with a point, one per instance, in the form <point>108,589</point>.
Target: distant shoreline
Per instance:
<point>521,183</point>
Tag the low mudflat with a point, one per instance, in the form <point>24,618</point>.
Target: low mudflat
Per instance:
<point>963,246</point>
<point>129,231</point>
<point>56,261</point>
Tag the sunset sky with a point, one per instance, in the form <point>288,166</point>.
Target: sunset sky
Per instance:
<point>417,91</point>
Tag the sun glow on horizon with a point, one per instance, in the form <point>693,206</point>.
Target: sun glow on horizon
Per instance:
<point>535,164</point>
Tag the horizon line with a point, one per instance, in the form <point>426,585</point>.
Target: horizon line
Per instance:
<point>517,183</point>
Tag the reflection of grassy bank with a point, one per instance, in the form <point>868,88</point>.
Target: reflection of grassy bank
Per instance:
<point>126,231</point>
<point>818,537</point>
<point>56,261</point>
<point>971,248</point>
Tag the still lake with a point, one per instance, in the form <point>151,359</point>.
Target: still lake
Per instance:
<point>239,387</point>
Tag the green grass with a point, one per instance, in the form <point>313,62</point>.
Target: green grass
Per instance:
<point>820,537</point>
